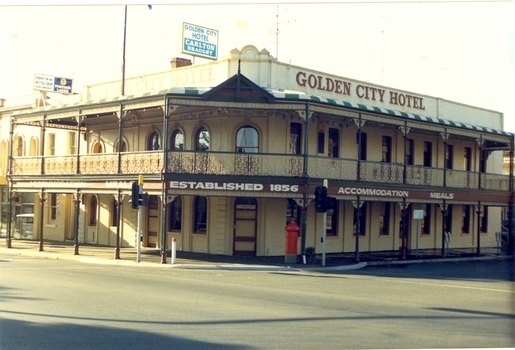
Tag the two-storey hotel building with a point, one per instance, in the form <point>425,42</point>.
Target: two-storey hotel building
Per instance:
<point>231,150</point>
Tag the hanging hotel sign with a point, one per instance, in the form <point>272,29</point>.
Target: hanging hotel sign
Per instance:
<point>52,84</point>
<point>199,41</point>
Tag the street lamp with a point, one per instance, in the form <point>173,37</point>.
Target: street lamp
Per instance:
<point>124,42</point>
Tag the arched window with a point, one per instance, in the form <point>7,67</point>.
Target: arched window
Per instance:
<point>175,218</point>
<point>18,146</point>
<point>200,224</point>
<point>247,140</point>
<point>154,142</point>
<point>33,147</point>
<point>177,141</point>
<point>120,147</point>
<point>202,141</point>
<point>93,204</point>
<point>3,157</point>
<point>97,148</point>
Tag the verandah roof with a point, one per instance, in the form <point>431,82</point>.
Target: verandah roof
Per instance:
<point>280,94</point>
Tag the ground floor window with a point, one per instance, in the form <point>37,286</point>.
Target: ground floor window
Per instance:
<point>175,217</point>
<point>332,219</point>
<point>200,224</point>
<point>384,220</point>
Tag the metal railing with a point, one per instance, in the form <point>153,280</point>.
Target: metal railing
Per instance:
<point>256,164</point>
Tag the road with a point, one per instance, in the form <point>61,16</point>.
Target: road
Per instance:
<point>55,304</point>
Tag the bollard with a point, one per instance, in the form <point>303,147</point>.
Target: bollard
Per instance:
<point>174,250</point>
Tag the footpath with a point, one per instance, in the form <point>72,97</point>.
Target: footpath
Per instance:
<point>151,257</point>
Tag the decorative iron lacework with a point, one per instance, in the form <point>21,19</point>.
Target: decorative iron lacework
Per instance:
<point>280,94</point>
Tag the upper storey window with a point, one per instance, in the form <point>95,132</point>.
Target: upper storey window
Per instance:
<point>177,141</point>
<point>247,140</point>
<point>154,142</point>
<point>203,140</point>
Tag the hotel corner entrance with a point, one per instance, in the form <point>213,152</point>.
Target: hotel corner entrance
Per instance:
<point>245,223</point>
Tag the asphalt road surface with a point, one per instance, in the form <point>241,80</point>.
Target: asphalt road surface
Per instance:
<point>56,304</point>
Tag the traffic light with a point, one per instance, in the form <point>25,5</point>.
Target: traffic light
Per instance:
<point>135,195</point>
<point>321,199</point>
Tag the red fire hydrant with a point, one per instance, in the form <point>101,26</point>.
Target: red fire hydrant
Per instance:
<point>292,236</point>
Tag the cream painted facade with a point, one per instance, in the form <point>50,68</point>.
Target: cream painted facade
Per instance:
<point>231,150</point>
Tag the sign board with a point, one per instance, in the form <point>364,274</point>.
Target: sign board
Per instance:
<point>52,84</point>
<point>199,41</point>
<point>418,214</point>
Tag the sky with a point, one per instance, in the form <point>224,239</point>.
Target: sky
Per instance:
<point>457,50</point>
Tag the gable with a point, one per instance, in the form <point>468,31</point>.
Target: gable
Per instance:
<point>238,88</point>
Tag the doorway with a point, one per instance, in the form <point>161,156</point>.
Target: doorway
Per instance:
<point>245,224</point>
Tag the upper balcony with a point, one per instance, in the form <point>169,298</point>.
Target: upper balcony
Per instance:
<point>256,165</point>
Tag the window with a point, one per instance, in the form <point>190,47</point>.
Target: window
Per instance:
<point>53,207</point>
<point>387,150</point>
<point>467,159</point>
<point>428,153</point>
<point>321,142</point>
<point>177,141</point>
<point>384,219</point>
<point>482,161</point>
<point>202,141</point>
<point>465,219</point>
<point>334,143</point>
<point>247,140</point>
<point>200,223</point>
<point>33,147</point>
<point>153,141</point>
<point>362,220</point>
<point>120,147</point>
<point>361,141</point>
<point>295,138</point>
<point>484,220</point>
<point>410,151</point>
<point>18,143</point>
<point>114,213</point>
<point>449,150</point>
<point>93,204</point>
<point>448,219</point>
<point>72,142</point>
<point>426,228</point>
<point>175,215</point>
<point>51,144</point>
<point>97,148</point>
<point>331,228</point>
<point>293,211</point>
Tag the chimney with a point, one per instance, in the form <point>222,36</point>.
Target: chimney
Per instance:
<point>178,62</point>
<point>2,101</point>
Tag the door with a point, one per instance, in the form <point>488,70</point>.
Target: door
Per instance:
<point>245,215</point>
